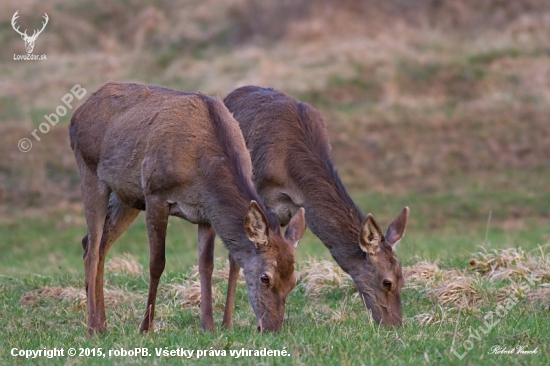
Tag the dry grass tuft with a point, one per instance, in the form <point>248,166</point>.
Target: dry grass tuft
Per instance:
<point>450,289</point>
<point>523,290</point>
<point>187,294</point>
<point>460,292</point>
<point>514,290</point>
<point>320,276</point>
<point>420,274</point>
<point>221,271</point>
<point>422,270</point>
<point>539,294</point>
<point>446,275</point>
<point>425,274</point>
<point>124,264</point>
<point>487,262</point>
<point>75,296</point>
<point>464,289</point>
<point>513,263</point>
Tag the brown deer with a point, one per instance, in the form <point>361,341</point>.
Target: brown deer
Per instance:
<point>293,168</point>
<point>167,152</point>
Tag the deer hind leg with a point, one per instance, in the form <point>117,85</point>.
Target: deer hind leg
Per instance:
<point>119,217</point>
<point>231,287</point>
<point>95,194</point>
<point>206,267</point>
<point>157,213</point>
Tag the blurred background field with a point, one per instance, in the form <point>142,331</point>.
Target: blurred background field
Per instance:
<point>439,105</point>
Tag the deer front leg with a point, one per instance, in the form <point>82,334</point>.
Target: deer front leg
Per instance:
<point>206,266</point>
<point>157,221</point>
<point>231,287</point>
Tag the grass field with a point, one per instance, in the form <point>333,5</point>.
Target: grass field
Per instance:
<point>43,302</point>
<point>438,105</point>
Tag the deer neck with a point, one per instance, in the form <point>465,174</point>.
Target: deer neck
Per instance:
<point>235,240</point>
<point>335,220</point>
<point>227,211</point>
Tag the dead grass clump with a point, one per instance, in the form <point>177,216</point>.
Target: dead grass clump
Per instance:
<point>513,264</point>
<point>425,274</point>
<point>514,290</point>
<point>319,276</point>
<point>420,274</point>
<point>524,290</point>
<point>467,289</point>
<point>446,275</point>
<point>459,291</point>
<point>487,262</point>
<point>187,294</point>
<point>124,264</point>
<point>74,296</point>
<point>539,294</point>
<point>221,271</point>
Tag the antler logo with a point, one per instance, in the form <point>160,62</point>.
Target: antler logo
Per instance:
<point>29,41</point>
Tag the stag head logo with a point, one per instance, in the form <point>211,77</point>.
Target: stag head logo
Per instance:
<point>29,41</point>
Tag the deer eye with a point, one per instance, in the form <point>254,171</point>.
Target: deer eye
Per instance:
<point>265,279</point>
<point>387,284</point>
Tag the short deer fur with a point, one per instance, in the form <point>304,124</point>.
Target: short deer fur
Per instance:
<point>293,168</point>
<point>166,152</point>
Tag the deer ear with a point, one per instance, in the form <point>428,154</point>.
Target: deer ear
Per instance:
<point>396,230</point>
<point>296,227</point>
<point>255,225</point>
<point>370,236</point>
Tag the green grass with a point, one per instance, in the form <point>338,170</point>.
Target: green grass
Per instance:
<point>331,330</point>
<point>442,225</point>
<point>43,249</point>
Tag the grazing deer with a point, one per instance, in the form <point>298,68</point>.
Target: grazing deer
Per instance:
<point>29,41</point>
<point>166,152</point>
<point>292,165</point>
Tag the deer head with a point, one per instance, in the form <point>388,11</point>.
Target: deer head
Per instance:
<point>379,277</point>
<point>270,274</point>
<point>29,41</point>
